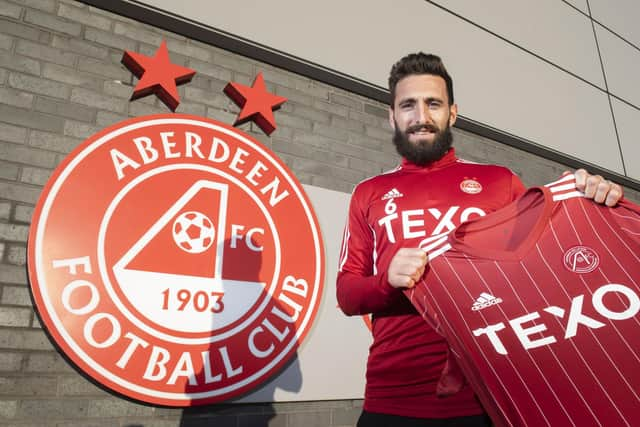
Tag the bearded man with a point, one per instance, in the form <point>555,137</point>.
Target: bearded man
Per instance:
<point>430,192</point>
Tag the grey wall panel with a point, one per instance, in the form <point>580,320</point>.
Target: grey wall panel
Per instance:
<point>628,123</point>
<point>496,83</point>
<point>508,89</point>
<point>621,16</point>
<point>332,332</point>
<point>580,4</point>
<point>621,65</point>
<point>549,28</point>
<point>348,36</point>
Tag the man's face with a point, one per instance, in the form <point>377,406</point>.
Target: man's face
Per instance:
<point>421,117</point>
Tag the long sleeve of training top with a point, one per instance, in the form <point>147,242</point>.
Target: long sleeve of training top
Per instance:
<point>362,289</point>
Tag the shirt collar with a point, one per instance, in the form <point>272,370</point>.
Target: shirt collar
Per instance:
<point>446,160</point>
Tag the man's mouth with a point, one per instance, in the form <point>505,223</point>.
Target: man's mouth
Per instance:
<point>422,130</point>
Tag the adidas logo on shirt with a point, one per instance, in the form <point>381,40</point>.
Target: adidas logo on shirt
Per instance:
<point>392,194</point>
<point>485,300</point>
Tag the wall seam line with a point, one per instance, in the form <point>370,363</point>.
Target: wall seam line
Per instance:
<point>604,76</point>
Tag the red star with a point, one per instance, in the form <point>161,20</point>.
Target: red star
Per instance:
<point>159,75</point>
<point>257,104</point>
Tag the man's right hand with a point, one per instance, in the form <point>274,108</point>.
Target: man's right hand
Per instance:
<point>406,267</point>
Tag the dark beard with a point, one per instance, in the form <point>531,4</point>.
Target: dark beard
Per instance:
<point>423,152</point>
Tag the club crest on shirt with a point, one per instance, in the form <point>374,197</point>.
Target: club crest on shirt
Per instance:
<point>581,259</point>
<point>470,186</point>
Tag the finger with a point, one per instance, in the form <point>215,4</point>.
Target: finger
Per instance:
<point>412,253</point>
<point>602,189</point>
<point>415,278</point>
<point>407,282</point>
<point>592,186</point>
<point>416,262</point>
<point>420,273</point>
<point>411,269</point>
<point>614,195</point>
<point>398,280</point>
<point>581,176</point>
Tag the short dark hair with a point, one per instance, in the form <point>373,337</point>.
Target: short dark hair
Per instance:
<point>419,63</point>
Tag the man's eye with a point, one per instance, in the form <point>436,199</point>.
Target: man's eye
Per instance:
<point>435,105</point>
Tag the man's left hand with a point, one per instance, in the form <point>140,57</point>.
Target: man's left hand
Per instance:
<point>597,188</point>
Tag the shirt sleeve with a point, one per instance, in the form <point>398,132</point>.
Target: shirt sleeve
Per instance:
<point>627,215</point>
<point>517,187</point>
<point>360,288</point>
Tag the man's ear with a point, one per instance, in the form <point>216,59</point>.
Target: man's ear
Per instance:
<point>453,114</point>
<point>392,122</point>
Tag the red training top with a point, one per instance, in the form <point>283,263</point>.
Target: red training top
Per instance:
<point>399,209</point>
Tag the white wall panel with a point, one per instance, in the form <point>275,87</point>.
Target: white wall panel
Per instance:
<point>621,16</point>
<point>621,65</point>
<point>496,83</point>
<point>628,123</point>
<point>549,28</point>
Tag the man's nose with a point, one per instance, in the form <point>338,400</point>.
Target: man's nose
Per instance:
<point>423,115</point>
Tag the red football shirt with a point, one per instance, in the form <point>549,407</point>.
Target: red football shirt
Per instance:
<point>539,302</point>
<point>399,209</point>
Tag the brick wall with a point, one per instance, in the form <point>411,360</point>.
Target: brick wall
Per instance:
<point>60,81</point>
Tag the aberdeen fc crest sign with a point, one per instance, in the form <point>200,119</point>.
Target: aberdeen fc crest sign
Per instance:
<point>175,260</point>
